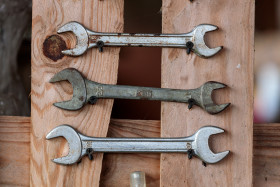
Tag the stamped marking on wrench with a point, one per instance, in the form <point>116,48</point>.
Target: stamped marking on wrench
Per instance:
<point>86,91</point>
<point>192,41</point>
<point>144,94</point>
<point>79,144</point>
<point>99,91</point>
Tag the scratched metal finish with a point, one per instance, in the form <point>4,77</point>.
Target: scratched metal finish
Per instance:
<point>87,39</point>
<point>79,144</point>
<point>86,91</point>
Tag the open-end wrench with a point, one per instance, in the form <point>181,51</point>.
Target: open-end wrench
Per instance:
<point>86,91</point>
<point>81,145</point>
<point>192,41</point>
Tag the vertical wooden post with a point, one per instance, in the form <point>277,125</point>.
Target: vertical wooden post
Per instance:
<point>232,66</point>
<point>103,16</point>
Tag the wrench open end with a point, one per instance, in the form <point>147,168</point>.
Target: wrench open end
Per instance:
<point>206,97</point>
<point>74,143</point>
<point>79,89</point>
<point>200,48</point>
<point>202,149</point>
<point>81,35</point>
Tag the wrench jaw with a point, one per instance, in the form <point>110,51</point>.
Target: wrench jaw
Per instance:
<point>74,143</point>
<point>82,38</point>
<point>79,89</point>
<point>200,48</point>
<point>215,109</point>
<point>206,97</point>
<point>201,145</point>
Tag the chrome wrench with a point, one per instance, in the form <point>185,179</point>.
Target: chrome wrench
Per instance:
<point>192,41</point>
<point>86,91</point>
<point>81,145</point>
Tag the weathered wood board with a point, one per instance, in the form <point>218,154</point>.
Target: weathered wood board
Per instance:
<point>14,151</point>
<point>266,162</point>
<point>232,66</point>
<point>101,16</point>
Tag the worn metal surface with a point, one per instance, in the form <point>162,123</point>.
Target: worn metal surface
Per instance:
<point>86,91</point>
<point>79,144</point>
<point>87,39</point>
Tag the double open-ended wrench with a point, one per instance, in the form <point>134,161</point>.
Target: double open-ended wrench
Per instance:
<point>86,91</point>
<point>192,41</point>
<point>81,145</point>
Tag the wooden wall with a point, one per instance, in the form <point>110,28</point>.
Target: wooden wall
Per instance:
<point>232,66</point>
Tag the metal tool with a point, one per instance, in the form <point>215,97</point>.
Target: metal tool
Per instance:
<point>81,145</point>
<point>86,91</point>
<point>192,41</point>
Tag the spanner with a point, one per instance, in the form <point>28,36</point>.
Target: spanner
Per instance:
<point>81,145</point>
<point>86,91</point>
<point>192,41</point>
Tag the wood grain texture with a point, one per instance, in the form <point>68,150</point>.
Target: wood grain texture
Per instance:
<point>14,171</point>
<point>266,165</point>
<point>101,16</point>
<point>117,168</point>
<point>232,66</point>
<point>14,151</point>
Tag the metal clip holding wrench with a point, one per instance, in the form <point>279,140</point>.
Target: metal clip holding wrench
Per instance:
<point>192,41</point>
<point>86,91</point>
<point>79,145</point>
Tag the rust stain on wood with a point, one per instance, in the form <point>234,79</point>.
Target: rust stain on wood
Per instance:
<point>52,47</point>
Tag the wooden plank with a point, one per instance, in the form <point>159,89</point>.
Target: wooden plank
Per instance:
<point>117,167</point>
<point>266,162</point>
<point>14,171</point>
<point>232,66</point>
<point>14,151</point>
<point>103,16</point>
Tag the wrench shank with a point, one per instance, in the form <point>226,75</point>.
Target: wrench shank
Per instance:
<point>138,93</point>
<point>137,145</point>
<point>140,40</point>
